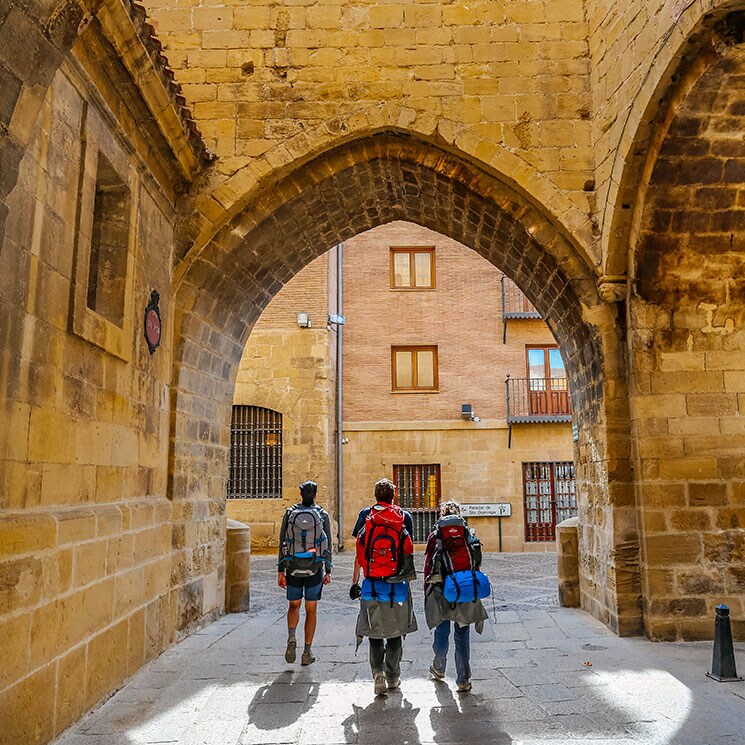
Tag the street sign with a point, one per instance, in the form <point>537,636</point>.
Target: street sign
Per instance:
<point>500,509</point>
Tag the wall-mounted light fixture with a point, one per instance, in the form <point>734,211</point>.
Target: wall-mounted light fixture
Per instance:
<point>303,320</point>
<point>466,411</point>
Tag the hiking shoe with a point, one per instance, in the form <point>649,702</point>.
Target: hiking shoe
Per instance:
<point>393,683</point>
<point>464,687</point>
<point>380,685</point>
<point>307,659</point>
<point>291,651</point>
<point>436,674</point>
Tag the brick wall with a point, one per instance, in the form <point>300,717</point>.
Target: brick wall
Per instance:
<point>462,317</point>
<point>290,370</point>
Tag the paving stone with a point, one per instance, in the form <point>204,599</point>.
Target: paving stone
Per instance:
<point>239,690</point>
<point>549,692</point>
<point>226,732</point>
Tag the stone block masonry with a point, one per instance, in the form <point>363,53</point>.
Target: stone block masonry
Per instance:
<point>566,142</point>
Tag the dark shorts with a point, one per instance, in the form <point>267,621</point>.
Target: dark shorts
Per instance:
<point>308,587</point>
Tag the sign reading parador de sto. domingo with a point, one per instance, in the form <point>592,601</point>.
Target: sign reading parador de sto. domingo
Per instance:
<point>501,509</point>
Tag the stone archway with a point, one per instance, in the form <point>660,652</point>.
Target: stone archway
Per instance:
<point>687,352</point>
<point>345,191</point>
<point>683,54</point>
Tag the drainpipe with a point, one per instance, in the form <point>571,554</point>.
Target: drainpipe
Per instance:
<point>339,336</point>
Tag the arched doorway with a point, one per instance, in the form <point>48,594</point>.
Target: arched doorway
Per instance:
<point>222,290</point>
<point>687,347</point>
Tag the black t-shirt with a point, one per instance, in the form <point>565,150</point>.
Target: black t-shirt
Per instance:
<point>408,522</point>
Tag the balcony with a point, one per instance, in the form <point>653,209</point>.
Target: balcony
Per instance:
<point>537,401</point>
<point>515,306</point>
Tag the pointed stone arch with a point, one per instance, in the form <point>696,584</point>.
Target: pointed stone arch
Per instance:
<point>217,208</point>
<point>221,291</point>
<point>683,54</point>
<point>687,351</point>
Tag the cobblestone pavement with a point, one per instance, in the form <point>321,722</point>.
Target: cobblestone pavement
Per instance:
<point>542,675</point>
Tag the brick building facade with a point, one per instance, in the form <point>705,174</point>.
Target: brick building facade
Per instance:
<point>407,434</point>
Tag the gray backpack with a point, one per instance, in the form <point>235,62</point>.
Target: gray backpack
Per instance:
<point>305,543</point>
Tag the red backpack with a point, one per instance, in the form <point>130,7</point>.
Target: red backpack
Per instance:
<point>383,541</point>
<point>453,536</point>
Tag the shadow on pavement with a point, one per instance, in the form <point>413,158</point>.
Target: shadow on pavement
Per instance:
<point>282,702</point>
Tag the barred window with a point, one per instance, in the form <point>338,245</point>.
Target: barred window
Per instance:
<point>255,454</point>
<point>550,497</point>
<point>418,492</point>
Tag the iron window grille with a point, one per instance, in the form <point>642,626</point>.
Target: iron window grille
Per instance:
<point>550,496</point>
<point>418,492</point>
<point>255,470</point>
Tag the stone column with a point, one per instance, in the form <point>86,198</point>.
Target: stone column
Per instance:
<point>568,558</point>
<point>237,567</point>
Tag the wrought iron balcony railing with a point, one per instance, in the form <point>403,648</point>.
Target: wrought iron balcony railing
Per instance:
<point>514,305</point>
<point>537,400</point>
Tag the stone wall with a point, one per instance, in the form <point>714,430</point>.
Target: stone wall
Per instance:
<point>638,49</point>
<point>85,528</point>
<point>489,122</point>
<point>505,83</point>
<point>688,353</point>
<point>292,370</point>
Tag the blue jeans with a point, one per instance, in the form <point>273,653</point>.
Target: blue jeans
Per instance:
<point>462,650</point>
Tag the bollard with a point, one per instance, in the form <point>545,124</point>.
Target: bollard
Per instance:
<point>723,668</point>
<point>237,567</point>
<point>568,562</point>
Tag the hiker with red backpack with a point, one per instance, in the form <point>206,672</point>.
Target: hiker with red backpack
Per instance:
<point>454,586</point>
<point>385,556</point>
<point>304,565</point>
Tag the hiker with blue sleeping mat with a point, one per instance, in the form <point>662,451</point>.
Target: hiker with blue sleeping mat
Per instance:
<point>385,556</point>
<point>453,589</point>
<point>304,565</point>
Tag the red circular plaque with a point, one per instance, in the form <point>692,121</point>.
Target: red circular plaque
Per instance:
<point>152,327</point>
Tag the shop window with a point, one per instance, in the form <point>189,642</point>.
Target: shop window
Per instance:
<point>414,369</point>
<point>418,492</point>
<point>412,268</point>
<point>255,470</point>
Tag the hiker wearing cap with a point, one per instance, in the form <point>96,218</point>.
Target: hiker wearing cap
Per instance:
<point>304,565</point>
<point>454,586</point>
<point>384,555</point>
